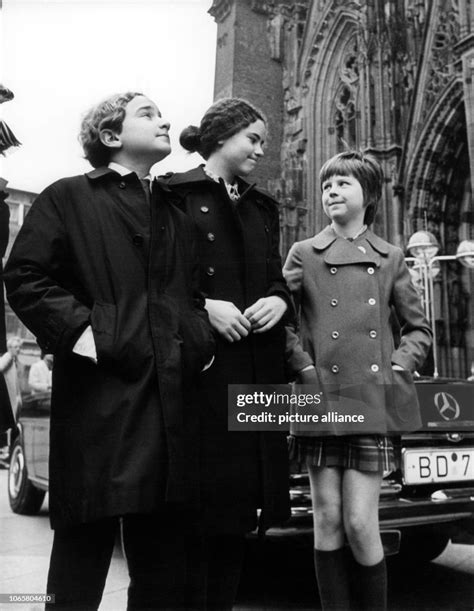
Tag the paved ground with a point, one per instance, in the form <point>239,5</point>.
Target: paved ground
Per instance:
<point>25,544</point>
<point>446,584</point>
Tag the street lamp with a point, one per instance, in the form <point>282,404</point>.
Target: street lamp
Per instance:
<point>423,246</point>
<point>465,253</point>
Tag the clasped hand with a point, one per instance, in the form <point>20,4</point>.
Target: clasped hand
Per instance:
<point>232,324</point>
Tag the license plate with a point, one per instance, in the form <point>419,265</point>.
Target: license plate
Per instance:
<point>438,465</point>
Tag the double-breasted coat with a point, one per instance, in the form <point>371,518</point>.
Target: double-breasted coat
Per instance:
<point>240,263</point>
<point>92,251</point>
<point>347,293</point>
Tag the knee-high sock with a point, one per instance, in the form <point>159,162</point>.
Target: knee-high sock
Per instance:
<point>333,579</point>
<point>369,586</point>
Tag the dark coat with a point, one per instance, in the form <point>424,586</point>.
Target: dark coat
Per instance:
<point>346,299</point>
<point>240,262</point>
<point>123,434</point>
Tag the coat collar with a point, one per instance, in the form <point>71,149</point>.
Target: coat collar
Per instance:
<point>99,172</point>
<point>106,171</point>
<point>340,251</point>
<point>197,175</point>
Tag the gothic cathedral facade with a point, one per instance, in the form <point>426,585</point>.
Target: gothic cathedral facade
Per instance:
<point>393,77</point>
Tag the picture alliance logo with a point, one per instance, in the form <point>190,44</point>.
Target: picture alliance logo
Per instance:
<point>447,406</point>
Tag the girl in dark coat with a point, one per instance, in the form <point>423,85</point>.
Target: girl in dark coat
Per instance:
<point>347,281</point>
<point>246,298</point>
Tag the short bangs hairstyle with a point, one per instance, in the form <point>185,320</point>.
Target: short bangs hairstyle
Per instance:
<point>366,169</point>
<point>109,114</point>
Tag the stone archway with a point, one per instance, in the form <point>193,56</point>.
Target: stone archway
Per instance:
<point>439,199</point>
<point>331,80</point>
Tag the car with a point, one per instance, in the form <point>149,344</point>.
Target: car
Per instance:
<point>425,503</point>
<point>429,499</point>
<point>29,454</point>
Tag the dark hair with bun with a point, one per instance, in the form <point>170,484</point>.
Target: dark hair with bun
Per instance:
<point>221,121</point>
<point>190,138</point>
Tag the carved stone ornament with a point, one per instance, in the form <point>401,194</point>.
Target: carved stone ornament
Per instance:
<point>263,7</point>
<point>275,36</point>
<point>284,7</point>
<point>349,67</point>
<point>441,68</point>
<point>220,9</point>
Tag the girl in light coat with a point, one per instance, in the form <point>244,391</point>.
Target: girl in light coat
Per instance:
<point>348,281</point>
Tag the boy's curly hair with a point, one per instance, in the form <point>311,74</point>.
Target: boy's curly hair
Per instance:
<point>221,121</point>
<point>109,114</point>
<point>366,169</point>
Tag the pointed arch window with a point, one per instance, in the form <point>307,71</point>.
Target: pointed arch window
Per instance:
<point>344,105</point>
<point>345,119</point>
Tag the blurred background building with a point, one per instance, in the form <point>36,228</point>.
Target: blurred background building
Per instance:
<point>19,203</point>
<point>393,77</point>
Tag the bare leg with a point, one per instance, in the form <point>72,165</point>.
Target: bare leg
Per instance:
<point>330,556</point>
<point>361,492</point>
<point>326,495</point>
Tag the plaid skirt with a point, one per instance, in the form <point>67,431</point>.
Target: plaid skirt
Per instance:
<point>373,453</point>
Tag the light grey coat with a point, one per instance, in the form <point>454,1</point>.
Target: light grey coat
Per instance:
<point>346,298</point>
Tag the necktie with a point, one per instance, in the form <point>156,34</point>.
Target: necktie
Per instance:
<point>146,184</point>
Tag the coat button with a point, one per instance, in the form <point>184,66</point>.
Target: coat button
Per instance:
<point>210,271</point>
<point>370,270</point>
<point>211,237</point>
<point>335,334</point>
<point>204,209</point>
<point>138,239</point>
<point>333,270</point>
<point>122,185</point>
<point>374,368</point>
<point>372,301</point>
<point>373,334</point>
<point>334,302</point>
<point>335,369</point>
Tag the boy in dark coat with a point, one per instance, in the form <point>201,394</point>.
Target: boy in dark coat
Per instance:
<point>105,278</point>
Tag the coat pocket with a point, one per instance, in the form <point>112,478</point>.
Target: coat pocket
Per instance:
<point>103,322</point>
<point>404,401</point>
<point>199,345</point>
<point>103,317</point>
